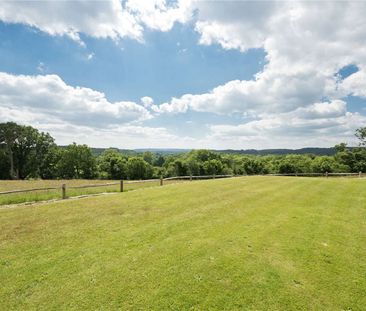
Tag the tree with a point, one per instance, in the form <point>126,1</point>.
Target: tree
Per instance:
<point>328,164</point>
<point>9,134</point>
<point>158,160</point>
<point>213,167</point>
<point>77,161</point>
<point>26,149</point>
<point>4,165</point>
<point>31,150</point>
<point>137,168</point>
<point>177,168</point>
<point>252,166</point>
<point>361,135</point>
<point>148,157</point>
<point>112,165</point>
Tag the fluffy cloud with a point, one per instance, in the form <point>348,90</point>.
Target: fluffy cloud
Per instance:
<point>298,94</point>
<point>80,114</point>
<point>306,45</point>
<point>124,136</point>
<point>100,19</point>
<point>355,84</point>
<point>296,99</point>
<point>147,101</point>
<point>113,19</point>
<point>49,95</point>
<point>321,124</point>
<point>158,15</point>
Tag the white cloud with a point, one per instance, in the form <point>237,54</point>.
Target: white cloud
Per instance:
<point>124,136</point>
<point>306,45</point>
<point>99,19</point>
<point>158,15</point>
<point>49,95</point>
<point>113,19</point>
<point>321,124</point>
<point>297,98</point>
<point>355,84</point>
<point>147,101</point>
<point>79,114</point>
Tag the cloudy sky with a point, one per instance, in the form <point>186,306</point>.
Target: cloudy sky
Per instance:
<point>185,74</point>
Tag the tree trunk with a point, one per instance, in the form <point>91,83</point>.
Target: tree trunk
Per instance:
<point>11,159</point>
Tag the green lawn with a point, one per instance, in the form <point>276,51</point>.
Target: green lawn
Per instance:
<point>251,243</point>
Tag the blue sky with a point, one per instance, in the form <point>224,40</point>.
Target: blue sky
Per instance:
<point>167,64</point>
<point>213,75</point>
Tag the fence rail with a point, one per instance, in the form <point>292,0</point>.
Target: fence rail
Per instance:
<point>29,190</point>
<point>63,188</point>
<point>326,174</point>
<point>93,185</point>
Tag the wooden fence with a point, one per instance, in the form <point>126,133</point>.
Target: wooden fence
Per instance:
<point>63,188</point>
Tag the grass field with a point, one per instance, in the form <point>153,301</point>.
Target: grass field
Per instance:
<point>41,195</point>
<point>256,243</point>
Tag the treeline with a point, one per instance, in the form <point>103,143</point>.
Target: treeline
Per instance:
<point>27,153</point>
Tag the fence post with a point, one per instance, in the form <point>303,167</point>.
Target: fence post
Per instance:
<point>121,186</point>
<point>190,177</point>
<point>359,174</point>
<point>161,180</point>
<point>63,191</point>
<point>213,176</point>
<point>326,174</point>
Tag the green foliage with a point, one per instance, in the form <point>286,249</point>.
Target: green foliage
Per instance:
<point>213,167</point>
<point>361,135</point>
<point>148,157</point>
<point>137,168</point>
<point>27,153</point>
<point>27,150</point>
<point>76,161</point>
<point>112,165</point>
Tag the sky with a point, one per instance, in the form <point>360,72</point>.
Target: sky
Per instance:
<point>185,74</point>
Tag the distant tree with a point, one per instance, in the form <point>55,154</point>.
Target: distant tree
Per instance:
<point>177,168</point>
<point>77,161</point>
<point>112,165</point>
<point>148,157</point>
<point>158,160</point>
<point>323,164</point>
<point>340,147</point>
<point>213,167</point>
<point>252,166</point>
<point>295,163</point>
<point>137,168</point>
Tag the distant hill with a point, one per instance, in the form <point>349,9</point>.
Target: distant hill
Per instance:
<point>312,150</point>
<point>163,151</point>
<point>316,151</point>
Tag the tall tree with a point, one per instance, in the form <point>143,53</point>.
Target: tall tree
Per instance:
<point>9,136</point>
<point>361,135</point>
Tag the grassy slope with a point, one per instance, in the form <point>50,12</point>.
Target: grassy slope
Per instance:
<point>258,243</point>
